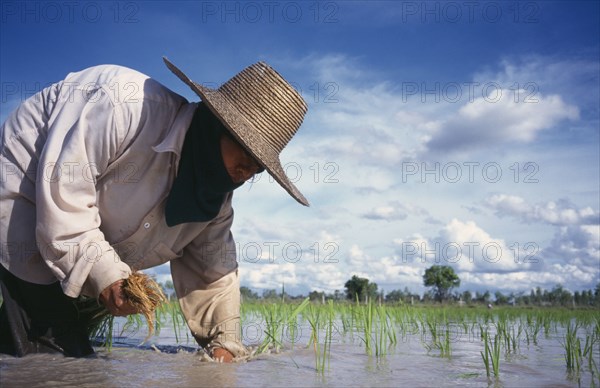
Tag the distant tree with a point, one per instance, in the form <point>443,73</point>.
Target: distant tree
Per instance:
<point>429,296</point>
<point>532,298</point>
<point>270,294</point>
<point>394,296</point>
<point>247,293</point>
<point>501,298</point>
<point>361,288</point>
<point>338,295</point>
<point>522,299</point>
<point>560,296</point>
<point>539,295</point>
<point>442,278</point>
<point>467,296</point>
<point>483,298</point>
<point>316,296</point>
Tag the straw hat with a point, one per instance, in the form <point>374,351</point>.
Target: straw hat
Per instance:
<point>261,110</point>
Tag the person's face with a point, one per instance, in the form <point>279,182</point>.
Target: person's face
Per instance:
<point>238,163</point>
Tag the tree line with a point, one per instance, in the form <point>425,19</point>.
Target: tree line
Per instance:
<point>443,283</point>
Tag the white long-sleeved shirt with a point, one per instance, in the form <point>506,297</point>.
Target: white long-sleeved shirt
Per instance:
<point>85,168</point>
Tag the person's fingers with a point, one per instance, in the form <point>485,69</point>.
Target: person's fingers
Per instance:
<point>113,299</point>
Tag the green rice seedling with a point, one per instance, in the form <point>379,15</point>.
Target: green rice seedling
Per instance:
<point>572,346</point>
<point>501,330</point>
<point>104,329</point>
<point>485,354</point>
<point>442,341</point>
<point>482,332</point>
<point>588,352</point>
<point>391,333</point>
<point>276,317</point>
<point>134,323</point>
<point>536,331</point>
<point>312,316</point>
<point>384,334</point>
<point>445,346</point>
<point>527,338</point>
<point>491,354</point>
<point>172,312</point>
<point>433,330</point>
<point>516,339</point>
<point>271,316</point>
<point>546,322</point>
<point>496,356</point>
<point>367,315</point>
<point>292,319</point>
<point>346,319</point>
<point>328,336</point>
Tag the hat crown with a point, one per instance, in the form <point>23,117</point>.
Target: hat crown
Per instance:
<point>273,107</point>
<point>262,110</point>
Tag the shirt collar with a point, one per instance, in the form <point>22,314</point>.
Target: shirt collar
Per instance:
<point>173,142</point>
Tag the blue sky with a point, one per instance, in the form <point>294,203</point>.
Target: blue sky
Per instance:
<point>458,133</point>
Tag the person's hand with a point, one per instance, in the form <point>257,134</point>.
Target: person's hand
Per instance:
<point>113,299</point>
<point>220,354</point>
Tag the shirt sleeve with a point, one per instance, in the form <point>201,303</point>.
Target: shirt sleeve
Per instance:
<point>207,285</point>
<point>83,138</point>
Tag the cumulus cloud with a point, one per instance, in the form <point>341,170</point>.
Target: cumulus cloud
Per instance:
<point>486,262</point>
<point>463,245</point>
<point>389,272</point>
<point>501,118</point>
<point>560,213</point>
<point>568,77</point>
<point>573,255</point>
<point>577,246</point>
<point>396,210</point>
<point>388,213</point>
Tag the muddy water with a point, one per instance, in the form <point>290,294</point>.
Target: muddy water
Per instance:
<point>164,362</point>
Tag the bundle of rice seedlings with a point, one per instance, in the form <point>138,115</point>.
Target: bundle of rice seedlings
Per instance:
<point>145,295</point>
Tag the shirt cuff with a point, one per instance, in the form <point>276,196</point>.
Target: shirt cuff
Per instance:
<point>107,270</point>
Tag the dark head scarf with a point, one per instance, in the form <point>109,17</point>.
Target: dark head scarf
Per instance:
<point>202,181</point>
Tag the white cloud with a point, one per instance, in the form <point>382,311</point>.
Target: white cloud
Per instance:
<point>577,245</point>
<point>569,77</point>
<point>500,118</point>
<point>391,212</point>
<point>560,212</point>
<point>464,246</point>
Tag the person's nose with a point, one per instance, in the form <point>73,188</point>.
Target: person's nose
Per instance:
<point>244,174</point>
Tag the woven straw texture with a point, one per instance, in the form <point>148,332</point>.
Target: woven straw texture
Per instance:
<point>261,110</point>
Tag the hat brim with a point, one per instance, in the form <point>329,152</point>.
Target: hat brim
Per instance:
<point>243,131</point>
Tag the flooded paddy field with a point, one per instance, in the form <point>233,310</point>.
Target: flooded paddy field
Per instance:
<point>343,345</point>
